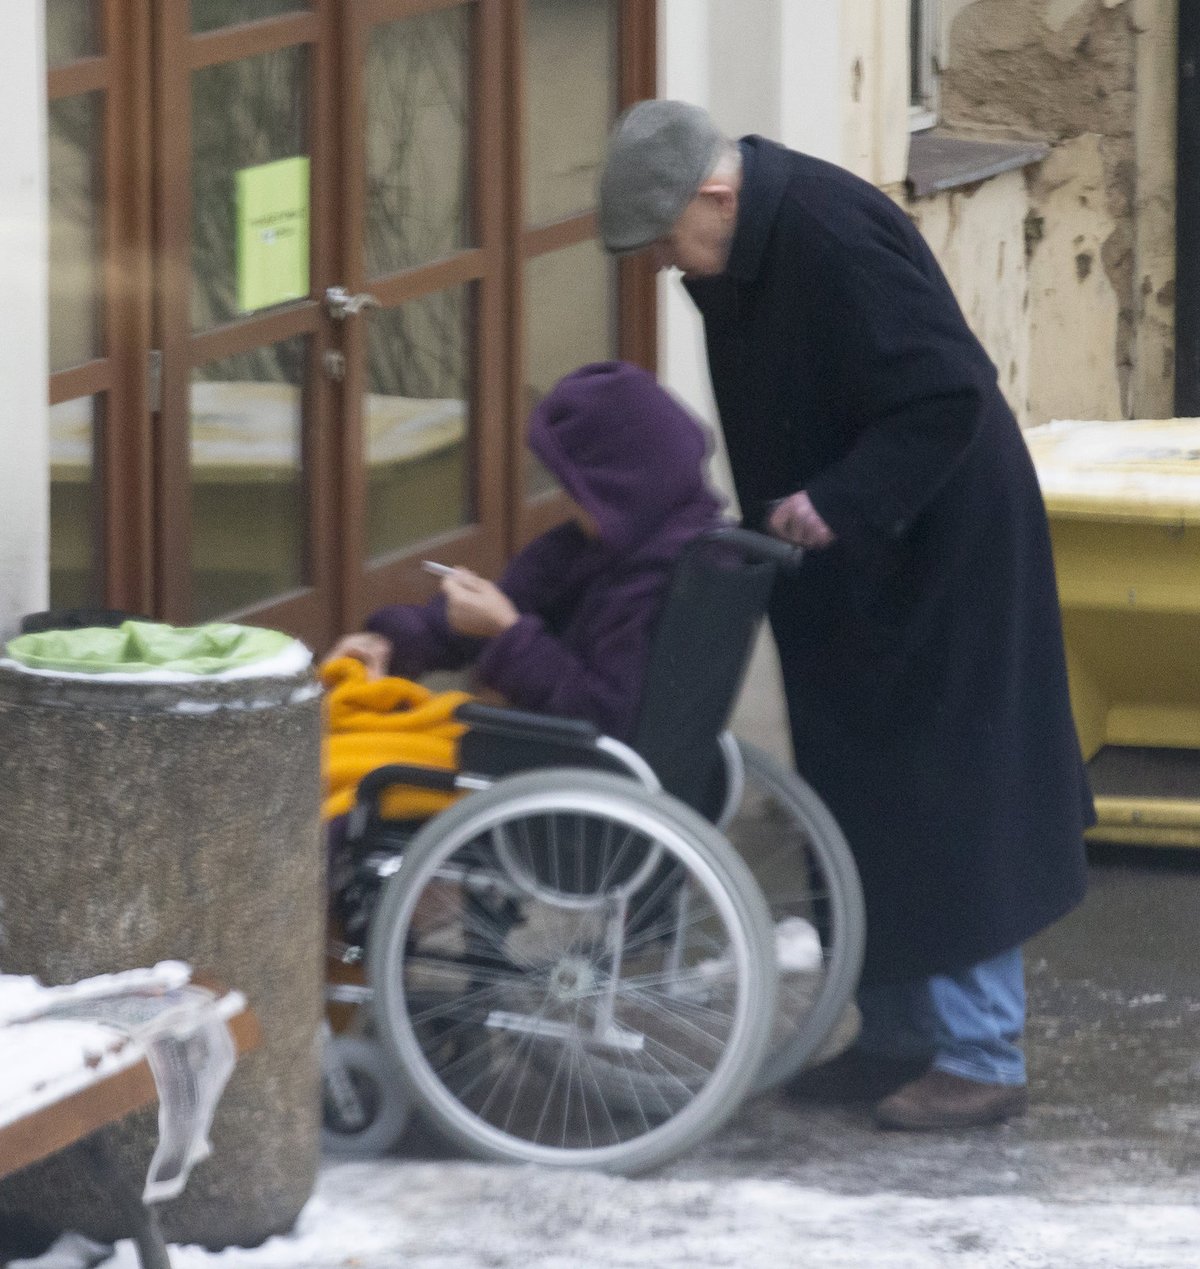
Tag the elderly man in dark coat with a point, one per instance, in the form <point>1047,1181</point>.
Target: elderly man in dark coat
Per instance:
<point>920,642</point>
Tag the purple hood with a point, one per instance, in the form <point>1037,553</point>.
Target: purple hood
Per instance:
<point>624,449</point>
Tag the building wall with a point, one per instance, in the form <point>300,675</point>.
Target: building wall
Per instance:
<point>24,483</point>
<point>1095,79</point>
<point>978,236</point>
<point>775,67</point>
<point>1064,270</point>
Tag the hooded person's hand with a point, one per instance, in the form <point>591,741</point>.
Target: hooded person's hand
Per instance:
<point>373,650</point>
<point>475,607</point>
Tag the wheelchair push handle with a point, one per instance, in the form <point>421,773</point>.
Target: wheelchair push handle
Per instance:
<point>757,547</point>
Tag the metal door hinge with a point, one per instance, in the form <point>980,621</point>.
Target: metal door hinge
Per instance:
<point>154,379</point>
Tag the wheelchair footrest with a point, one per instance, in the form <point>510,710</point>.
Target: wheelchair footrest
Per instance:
<point>614,1037</point>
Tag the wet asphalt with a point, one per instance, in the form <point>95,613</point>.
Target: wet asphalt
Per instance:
<point>1113,1044</point>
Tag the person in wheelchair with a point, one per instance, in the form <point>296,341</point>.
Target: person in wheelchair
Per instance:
<point>571,964</point>
<point>567,628</point>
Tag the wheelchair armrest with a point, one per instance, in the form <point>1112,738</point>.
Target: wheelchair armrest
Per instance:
<point>520,724</point>
<point>381,778</point>
<point>371,788</point>
<point>500,742</point>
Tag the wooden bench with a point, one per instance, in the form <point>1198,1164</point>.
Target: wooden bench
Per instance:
<point>97,1078</point>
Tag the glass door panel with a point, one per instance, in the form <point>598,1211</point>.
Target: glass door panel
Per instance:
<point>76,521</point>
<point>423,218</point>
<point>72,30</point>
<point>246,429</point>
<point>417,140</point>
<point>568,296</point>
<point>571,90</point>
<point>76,127</point>
<point>571,319</point>
<point>417,422</point>
<point>250,536</point>
<point>83,220</point>
<point>245,115</point>
<point>225,439</point>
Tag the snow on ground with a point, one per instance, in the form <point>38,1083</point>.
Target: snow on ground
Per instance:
<point>450,1215</point>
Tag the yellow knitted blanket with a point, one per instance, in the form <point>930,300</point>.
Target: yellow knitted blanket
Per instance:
<point>369,722</point>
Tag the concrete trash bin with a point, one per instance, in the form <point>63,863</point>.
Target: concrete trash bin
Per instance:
<point>1124,507</point>
<point>170,813</point>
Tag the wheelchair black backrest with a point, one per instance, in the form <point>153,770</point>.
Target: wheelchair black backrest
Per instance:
<point>702,645</point>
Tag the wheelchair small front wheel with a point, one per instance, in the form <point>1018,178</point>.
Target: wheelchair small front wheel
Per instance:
<point>610,1016</point>
<point>365,1106</point>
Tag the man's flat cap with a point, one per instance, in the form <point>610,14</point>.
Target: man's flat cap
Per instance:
<point>659,155</point>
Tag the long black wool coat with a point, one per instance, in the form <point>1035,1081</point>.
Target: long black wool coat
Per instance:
<point>922,653</point>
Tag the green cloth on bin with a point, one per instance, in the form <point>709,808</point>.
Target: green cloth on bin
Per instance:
<point>136,647</point>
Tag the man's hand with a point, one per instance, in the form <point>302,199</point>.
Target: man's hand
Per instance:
<point>373,650</point>
<point>475,607</point>
<point>795,519</point>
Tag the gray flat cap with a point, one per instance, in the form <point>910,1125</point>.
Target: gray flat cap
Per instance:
<point>659,155</point>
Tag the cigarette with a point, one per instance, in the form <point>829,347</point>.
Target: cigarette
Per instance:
<point>438,570</point>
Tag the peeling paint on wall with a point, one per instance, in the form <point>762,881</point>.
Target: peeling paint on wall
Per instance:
<point>1076,312</point>
<point>1094,78</point>
<point>978,235</point>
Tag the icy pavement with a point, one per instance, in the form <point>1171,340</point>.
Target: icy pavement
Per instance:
<point>464,1216</point>
<point>1103,1173</point>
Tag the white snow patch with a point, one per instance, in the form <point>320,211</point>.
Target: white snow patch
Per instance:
<point>466,1216</point>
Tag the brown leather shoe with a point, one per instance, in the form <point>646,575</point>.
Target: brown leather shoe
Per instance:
<point>852,1076</point>
<point>939,1100</point>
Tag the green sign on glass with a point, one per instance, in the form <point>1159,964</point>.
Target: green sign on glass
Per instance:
<point>272,234</point>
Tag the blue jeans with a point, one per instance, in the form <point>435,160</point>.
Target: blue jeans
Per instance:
<point>967,1023</point>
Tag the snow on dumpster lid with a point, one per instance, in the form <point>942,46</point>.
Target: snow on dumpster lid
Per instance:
<point>1141,469</point>
<point>152,651</point>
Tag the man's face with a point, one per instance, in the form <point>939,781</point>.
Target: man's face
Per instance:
<point>700,240</point>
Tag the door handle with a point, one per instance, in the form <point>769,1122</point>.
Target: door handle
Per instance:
<point>341,304</point>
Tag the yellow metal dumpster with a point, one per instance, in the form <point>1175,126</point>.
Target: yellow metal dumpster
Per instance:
<point>1124,506</point>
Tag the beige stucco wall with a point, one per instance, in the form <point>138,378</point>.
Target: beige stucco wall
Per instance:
<point>978,236</point>
<point>873,72</point>
<point>1094,78</point>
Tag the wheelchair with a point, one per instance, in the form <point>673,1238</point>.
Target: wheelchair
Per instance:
<point>594,956</point>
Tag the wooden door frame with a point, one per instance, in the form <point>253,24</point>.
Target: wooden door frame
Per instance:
<point>121,471</point>
<point>141,464</point>
<point>479,544</point>
<point>310,610</point>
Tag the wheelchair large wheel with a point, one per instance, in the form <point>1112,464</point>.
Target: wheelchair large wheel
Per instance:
<point>558,949</point>
<point>804,868</point>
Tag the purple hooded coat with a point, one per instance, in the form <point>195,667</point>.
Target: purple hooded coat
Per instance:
<point>632,458</point>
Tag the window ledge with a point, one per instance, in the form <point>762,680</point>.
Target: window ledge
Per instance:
<point>939,161</point>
